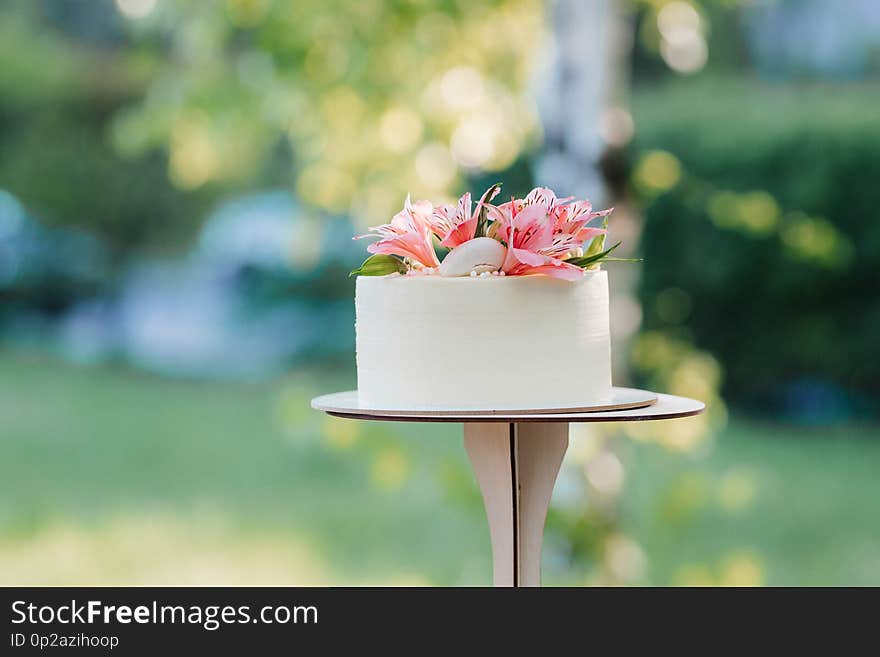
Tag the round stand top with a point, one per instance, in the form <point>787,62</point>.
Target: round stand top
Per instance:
<point>667,407</point>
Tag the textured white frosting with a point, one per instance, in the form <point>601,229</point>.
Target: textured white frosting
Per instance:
<point>512,342</point>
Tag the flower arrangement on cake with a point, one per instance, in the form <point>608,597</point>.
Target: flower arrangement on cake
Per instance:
<point>539,234</point>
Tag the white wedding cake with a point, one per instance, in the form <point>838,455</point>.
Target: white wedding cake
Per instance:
<point>514,317</point>
<point>484,343</point>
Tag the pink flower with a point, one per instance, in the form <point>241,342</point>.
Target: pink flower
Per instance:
<point>541,230</point>
<point>543,196</point>
<point>455,226</point>
<point>532,247</point>
<point>408,235</point>
<point>570,218</point>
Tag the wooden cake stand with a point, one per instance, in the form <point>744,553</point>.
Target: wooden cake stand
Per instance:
<point>516,456</point>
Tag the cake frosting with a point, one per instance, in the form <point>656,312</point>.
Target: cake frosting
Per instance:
<point>483,343</point>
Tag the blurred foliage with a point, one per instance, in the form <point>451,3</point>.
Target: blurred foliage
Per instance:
<point>354,103</point>
<point>131,118</point>
<point>64,76</point>
<point>764,228</point>
<point>672,37</point>
<point>57,94</point>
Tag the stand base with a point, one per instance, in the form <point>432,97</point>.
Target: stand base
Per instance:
<point>516,465</point>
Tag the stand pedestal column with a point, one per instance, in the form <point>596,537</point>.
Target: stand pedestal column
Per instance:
<point>516,464</point>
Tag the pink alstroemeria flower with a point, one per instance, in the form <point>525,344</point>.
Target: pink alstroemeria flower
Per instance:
<point>572,219</point>
<point>541,230</point>
<point>542,196</point>
<point>532,247</point>
<point>456,225</point>
<point>408,235</point>
<point>569,218</point>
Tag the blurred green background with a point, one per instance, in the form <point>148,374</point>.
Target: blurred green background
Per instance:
<point>178,185</point>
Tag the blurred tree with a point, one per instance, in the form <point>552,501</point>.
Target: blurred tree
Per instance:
<point>584,154</point>
<point>64,76</point>
<point>130,118</point>
<point>353,103</point>
<point>759,241</point>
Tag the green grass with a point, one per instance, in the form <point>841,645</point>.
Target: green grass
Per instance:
<point>801,504</point>
<point>113,476</point>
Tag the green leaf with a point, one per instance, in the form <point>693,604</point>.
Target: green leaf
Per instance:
<point>587,260</point>
<point>380,265</point>
<point>598,242</point>
<point>482,223</point>
<point>623,260</point>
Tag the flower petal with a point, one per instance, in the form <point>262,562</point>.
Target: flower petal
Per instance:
<point>556,269</point>
<point>530,257</point>
<point>463,232</point>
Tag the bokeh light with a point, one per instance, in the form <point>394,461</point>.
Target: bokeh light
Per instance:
<point>657,172</point>
<point>683,45</point>
<point>616,126</point>
<point>136,8</point>
<point>816,239</point>
<point>390,469</point>
<point>400,129</point>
